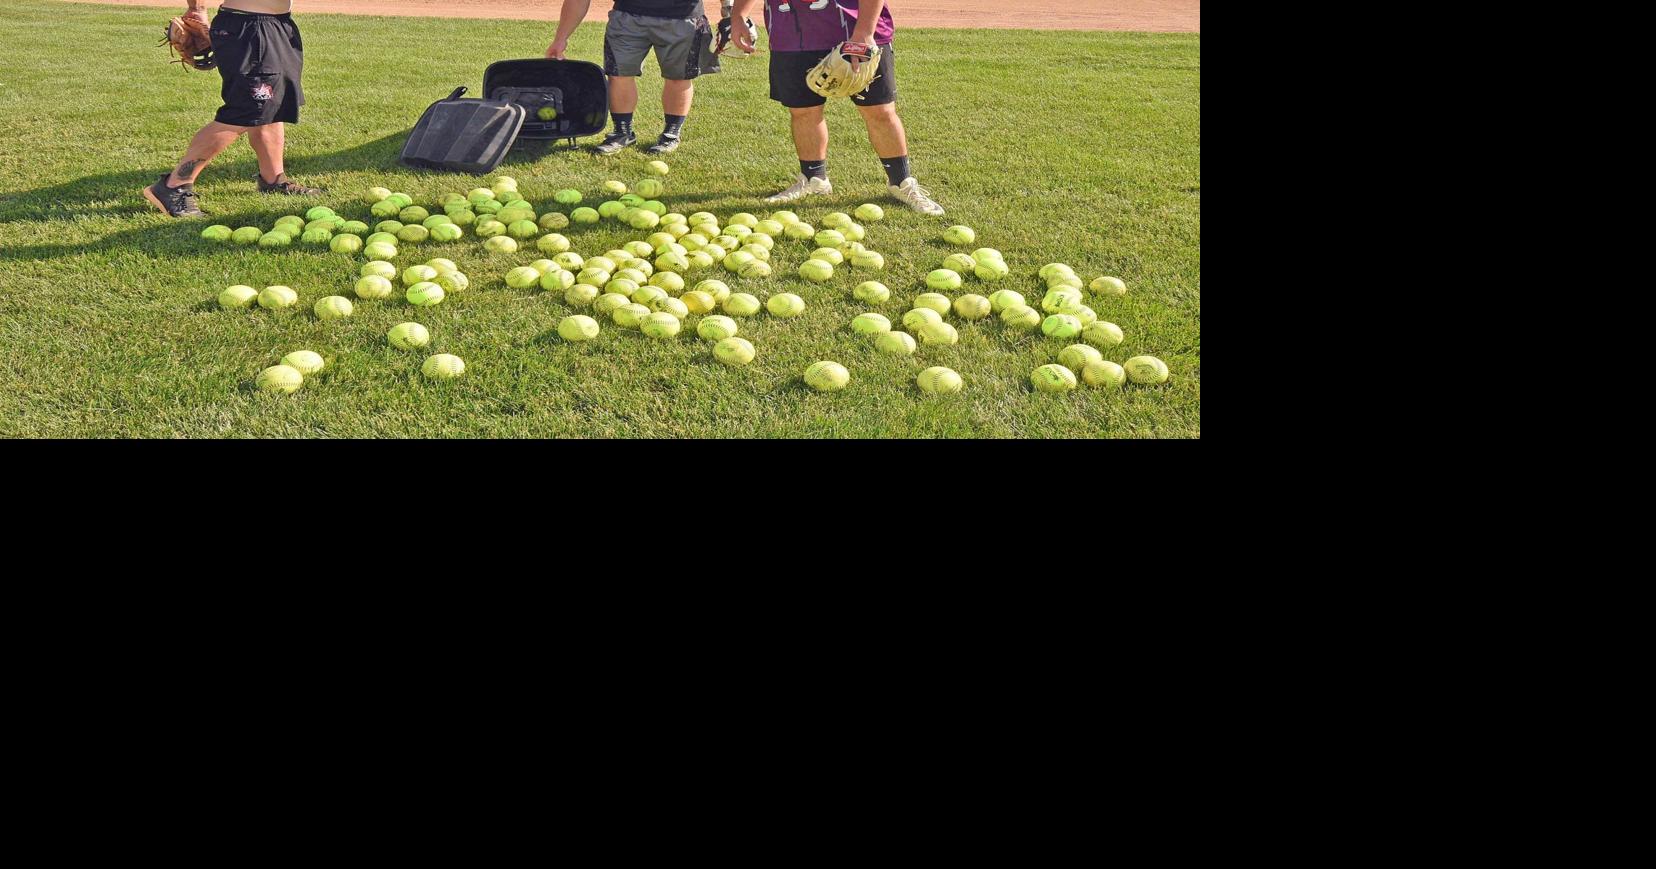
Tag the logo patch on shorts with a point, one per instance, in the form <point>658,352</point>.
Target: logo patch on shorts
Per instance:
<point>262,91</point>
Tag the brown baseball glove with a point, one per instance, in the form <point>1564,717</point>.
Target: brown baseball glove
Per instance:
<point>191,41</point>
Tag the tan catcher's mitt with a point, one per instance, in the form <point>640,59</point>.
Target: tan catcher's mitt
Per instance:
<point>191,42</point>
<point>835,76</point>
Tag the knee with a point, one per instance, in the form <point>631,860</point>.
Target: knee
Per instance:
<point>809,114</point>
<point>886,114</point>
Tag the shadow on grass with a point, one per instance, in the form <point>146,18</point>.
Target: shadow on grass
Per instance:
<point>119,192</point>
<point>534,150</point>
<point>172,240</point>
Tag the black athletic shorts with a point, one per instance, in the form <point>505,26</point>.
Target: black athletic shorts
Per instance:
<point>260,58</point>
<point>787,80</point>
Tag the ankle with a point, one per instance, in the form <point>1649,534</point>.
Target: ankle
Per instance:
<point>896,169</point>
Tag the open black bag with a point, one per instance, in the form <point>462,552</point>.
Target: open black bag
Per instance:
<point>461,135</point>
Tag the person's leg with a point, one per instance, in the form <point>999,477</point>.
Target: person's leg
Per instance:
<point>623,101</point>
<point>268,143</point>
<point>626,43</point>
<point>623,95</point>
<point>809,124</point>
<point>683,49</point>
<point>281,94</point>
<point>810,134</point>
<point>878,106</point>
<point>676,97</point>
<point>885,132</point>
<point>174,193</point>
<point>208,143</point>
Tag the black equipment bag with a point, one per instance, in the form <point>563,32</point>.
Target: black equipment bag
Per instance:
<point>458,135</point>
<point>575,90</point>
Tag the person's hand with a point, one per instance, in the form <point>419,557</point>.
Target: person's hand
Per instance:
<point>199,15</point>
<point>741,35</point>
<point>855,61</point>
<point>558,49</point>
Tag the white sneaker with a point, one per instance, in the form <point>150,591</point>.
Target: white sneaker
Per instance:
<point>803,187</point>
<point>910,193</point>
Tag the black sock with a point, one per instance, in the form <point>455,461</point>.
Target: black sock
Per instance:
<point>897,169</point>
<point>813,168</point>
<point>675,123</point>
<point>623,122</point>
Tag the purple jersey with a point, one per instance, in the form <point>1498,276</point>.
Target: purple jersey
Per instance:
<point>805,27</point>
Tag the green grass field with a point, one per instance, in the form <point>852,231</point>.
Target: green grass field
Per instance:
<point>1076,147</point>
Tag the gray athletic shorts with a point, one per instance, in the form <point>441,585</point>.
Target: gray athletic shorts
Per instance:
<point>683,46</point>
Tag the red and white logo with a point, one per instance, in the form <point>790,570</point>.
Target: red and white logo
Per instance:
<point>262,91</point>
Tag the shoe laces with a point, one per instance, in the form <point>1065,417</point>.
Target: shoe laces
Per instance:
<point>915,192</point>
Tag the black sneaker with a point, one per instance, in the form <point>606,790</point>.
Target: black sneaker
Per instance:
<point>285,187</point>
<point>666,145</point>
<point>615,142</point>
<point>173,201</point>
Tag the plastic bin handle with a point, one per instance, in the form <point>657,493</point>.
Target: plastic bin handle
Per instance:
<point>458,93</point>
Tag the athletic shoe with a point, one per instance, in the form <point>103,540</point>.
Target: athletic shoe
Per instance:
<point>285,187</point>
<point>910,193</point>
<point>614,142</point>
<point>173,201</point>
<point>666,145</point>
<point>803,187</point>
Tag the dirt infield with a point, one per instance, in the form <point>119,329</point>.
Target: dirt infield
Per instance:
<point>1164,16</point>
